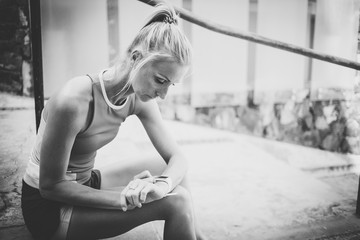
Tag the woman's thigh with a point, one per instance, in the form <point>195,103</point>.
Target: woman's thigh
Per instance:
<point>92,223</point>
<point>120,173</point>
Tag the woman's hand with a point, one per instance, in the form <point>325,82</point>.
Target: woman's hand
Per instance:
<point>145,175</point>
<point>140,190</point>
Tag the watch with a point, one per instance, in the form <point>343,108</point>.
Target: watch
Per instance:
<point>165,179</point>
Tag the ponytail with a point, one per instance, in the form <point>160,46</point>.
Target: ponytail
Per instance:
<point>163,14</point>
<point>161,35</point>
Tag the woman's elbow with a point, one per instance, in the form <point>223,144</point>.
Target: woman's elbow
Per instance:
<point>47,189</point>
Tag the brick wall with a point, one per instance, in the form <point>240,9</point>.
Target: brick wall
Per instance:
<point>15,54</point>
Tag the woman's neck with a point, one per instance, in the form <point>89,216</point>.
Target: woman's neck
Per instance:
<point>115,85</point>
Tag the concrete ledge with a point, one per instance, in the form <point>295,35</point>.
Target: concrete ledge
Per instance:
<point>148,231</point>
<point>15,233</point>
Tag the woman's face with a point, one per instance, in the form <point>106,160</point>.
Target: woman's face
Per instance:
<point>154,79</point>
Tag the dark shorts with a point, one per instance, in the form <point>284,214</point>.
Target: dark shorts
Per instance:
<point>42,216</point>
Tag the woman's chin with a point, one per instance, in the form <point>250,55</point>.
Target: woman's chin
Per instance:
<point>145,98</point>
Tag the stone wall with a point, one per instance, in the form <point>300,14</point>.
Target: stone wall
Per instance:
<point>332,125</point>
<point>15,52</point>
<point>353,122</point>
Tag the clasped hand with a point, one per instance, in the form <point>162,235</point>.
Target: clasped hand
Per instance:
<point>139,191</point>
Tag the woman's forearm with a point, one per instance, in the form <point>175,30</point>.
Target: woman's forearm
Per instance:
<point>176,169</point>
<point>76,194</point>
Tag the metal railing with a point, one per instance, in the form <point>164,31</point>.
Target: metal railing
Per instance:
<point>253,37</point>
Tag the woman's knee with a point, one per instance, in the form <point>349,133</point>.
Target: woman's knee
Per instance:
<point>181,203</point>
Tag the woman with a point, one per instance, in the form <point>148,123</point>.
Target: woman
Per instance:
<point>63,196</point>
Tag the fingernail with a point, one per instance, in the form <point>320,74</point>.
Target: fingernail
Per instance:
<point>124,209</point>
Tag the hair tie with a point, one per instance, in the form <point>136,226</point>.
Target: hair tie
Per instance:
<point>169,20</point>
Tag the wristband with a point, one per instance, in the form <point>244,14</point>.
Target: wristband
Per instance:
<point>164,179</point>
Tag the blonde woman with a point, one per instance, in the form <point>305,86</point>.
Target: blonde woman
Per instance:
<point>63,197</point>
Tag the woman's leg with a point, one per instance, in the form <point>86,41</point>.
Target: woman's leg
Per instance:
<point>199,234</point>
<point>176,210</point>
<point>119,174</point>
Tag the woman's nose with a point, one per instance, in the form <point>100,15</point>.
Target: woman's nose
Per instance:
<point>162,92</point>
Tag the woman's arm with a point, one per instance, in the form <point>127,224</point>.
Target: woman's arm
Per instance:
<point>150,116</point>
<point>66,117</point>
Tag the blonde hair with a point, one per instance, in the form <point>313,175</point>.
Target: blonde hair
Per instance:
<point>159,39</point>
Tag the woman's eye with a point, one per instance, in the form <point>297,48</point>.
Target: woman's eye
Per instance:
<point>159,80</point>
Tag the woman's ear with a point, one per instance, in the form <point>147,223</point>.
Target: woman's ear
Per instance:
<point>136,55</point>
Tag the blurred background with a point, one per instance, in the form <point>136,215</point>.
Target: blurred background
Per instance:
<point>234,84</point>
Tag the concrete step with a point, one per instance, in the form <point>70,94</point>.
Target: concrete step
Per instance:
<point>148,231</point>
<point>15,233</point>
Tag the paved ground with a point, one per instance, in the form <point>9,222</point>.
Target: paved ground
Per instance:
<point>243,187</point>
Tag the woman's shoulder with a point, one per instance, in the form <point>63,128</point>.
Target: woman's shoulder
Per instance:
<point>75,96</point>
<point>80,86</point>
